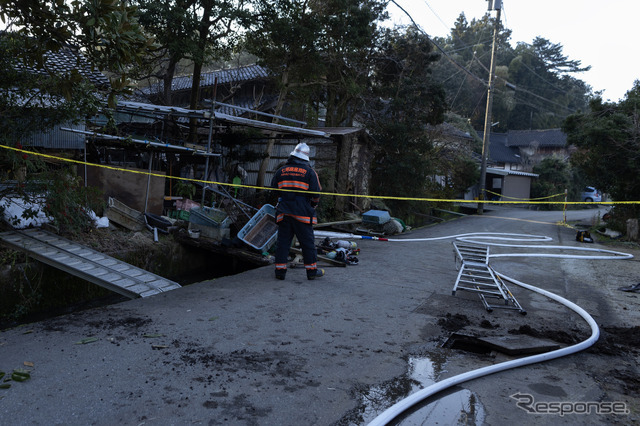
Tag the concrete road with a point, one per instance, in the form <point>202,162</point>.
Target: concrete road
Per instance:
<point>252,350</point>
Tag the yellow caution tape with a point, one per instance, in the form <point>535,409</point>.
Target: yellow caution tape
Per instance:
<point>379,197</point>
<point>524,199</point>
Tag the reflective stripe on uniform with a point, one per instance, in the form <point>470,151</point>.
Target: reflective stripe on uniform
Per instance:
<point>293,184</point>
<point>303,219</point>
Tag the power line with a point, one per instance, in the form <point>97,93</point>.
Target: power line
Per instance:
<point>470,73</point>
<point>434,12</point>
<point>453,61</point>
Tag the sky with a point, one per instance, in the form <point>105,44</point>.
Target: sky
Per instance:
<point>601,33</point>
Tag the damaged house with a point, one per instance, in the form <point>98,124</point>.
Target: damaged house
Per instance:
<point>223,142</point>
<point>237,125</point>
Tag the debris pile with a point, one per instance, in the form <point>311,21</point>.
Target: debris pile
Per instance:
<point>380,222</point>
<point>341,250</point>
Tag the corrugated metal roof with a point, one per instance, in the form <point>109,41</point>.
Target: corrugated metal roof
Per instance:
<point>139,107</point>
<point>503,172</point>
<point>270,126</point>
<point>57,138</point>
<point>167,146</point>
<point>517,173</point>
<point>339,130</point>
<point>249,109</point>
<point>525,138</point>
<point>134,107</point>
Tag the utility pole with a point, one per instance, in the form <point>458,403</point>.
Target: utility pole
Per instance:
<point>497,6</point>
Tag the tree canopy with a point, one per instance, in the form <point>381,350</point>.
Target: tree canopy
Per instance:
<point>608,142</point>
<point>319,53</point>
<point>404,98</point>
<point>200,31</point>
<point>106,31</point>
<point>535,87</point>
<point>329,59</point>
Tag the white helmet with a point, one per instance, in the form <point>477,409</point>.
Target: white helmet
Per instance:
<point>301,151</point>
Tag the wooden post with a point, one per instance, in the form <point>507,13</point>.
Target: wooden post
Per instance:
<point>632,229</point>
<point>345,145</point>
<point>564,210</point>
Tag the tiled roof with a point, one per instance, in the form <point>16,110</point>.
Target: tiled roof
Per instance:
<point>525,138</point>
<point>499,152</point>
<point>241,74</point>
<point>66,60</point>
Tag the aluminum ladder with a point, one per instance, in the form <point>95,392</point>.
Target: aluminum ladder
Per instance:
<point>83,262</point>
<point>476,275</point>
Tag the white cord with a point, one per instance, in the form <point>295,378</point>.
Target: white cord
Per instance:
<point>398,408</point>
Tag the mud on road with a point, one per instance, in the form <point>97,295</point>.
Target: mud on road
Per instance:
<point>252,350</point>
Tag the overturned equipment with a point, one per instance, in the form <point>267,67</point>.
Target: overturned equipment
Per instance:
<point>476,275</point>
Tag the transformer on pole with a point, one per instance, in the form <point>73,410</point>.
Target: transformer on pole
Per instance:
<point>494,4</point>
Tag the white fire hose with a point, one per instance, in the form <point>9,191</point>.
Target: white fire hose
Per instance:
<point>479,238</point>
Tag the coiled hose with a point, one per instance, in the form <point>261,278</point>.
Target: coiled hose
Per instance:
<point>487,239</point>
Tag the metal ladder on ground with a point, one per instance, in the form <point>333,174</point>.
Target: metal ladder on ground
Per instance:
<point>476,275</point>
<point>83,262</point>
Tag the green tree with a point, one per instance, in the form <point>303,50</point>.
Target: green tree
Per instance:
<point>217,26</point>
<point>402,101</point>
<point>173,24</point>
<point>318,53</point>
<point>608,142</point>
<point>198,30</point>
<point>554,177</point>
<point>535,86</point>
<point>284,38</point>
<point>546,90</point>
<point>34,96</point>
<point>350,35</point>
<point>460,172</point>
<point>106,31</point>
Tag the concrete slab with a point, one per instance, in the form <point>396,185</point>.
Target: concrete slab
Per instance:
<point>509,345</point>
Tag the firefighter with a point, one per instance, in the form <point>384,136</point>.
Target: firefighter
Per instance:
<point>296,211</point>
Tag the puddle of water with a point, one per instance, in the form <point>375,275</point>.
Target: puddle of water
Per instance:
<point>455,407</point>
<point>459,408</point>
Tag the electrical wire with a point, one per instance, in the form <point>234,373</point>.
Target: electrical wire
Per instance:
<point>533,72</point>
<point>470,73</point>
<point>436,14</point>
<point>453,61</point>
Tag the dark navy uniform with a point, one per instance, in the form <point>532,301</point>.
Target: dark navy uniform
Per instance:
<point>296,213</point>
